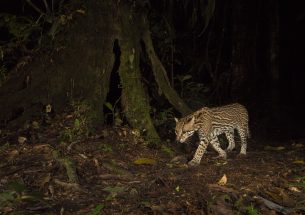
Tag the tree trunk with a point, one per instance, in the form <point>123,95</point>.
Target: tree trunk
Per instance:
<point>80,65</point>
<point>134,98</point>
<point>78,68</point>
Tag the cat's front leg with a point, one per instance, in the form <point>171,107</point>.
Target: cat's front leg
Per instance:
<point>198,154</point>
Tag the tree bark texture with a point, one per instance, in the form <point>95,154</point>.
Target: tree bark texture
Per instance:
<point>79,67</point>
<point>134,98</point>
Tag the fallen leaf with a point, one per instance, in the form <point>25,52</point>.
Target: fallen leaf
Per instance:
<point>294,189</point>
<point>13,153</point>
<point>35,125</point>
<point>22,139</point>
<point>114,167</point>
<point>145,161</point>
<point>223,180</point>
<point>274,148</point>
<point>83,156</point>
<point>48,108</point>
<point>299,162</point>
<point>221,163</point>
<point>80,11</point>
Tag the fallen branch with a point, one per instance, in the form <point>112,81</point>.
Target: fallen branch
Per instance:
<point>271,205</point>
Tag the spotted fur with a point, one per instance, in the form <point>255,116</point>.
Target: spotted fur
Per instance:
<point>209,123</point>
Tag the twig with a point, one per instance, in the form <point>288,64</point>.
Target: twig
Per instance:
<point>47,6</point>
<point>73,186</point>
<point>35,7</point>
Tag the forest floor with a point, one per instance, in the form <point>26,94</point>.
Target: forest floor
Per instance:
<point>52,170</point>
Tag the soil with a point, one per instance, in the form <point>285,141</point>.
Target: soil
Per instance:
<point>58,167</point>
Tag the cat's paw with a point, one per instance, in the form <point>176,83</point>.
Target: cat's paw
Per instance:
<point>193,163</point>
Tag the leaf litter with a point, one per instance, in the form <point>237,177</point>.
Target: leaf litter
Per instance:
<point>115,172</point>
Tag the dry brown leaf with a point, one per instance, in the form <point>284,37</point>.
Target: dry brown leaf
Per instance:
<point>302,162</point>
<point>223,181</point>
<point>13,153</point>
<point>274,148</point>
<point>145,161</point>
<point>81,11</point>
<point>294,189</point>
<point>22,139</point>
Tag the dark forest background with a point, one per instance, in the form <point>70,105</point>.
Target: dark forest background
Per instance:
<point>240,51</point>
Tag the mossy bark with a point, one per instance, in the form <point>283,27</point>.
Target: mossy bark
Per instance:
<point>134,98</point>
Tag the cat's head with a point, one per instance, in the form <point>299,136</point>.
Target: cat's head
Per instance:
<point>184,128</point>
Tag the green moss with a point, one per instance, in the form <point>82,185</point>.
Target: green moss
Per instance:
<point>134,99</point>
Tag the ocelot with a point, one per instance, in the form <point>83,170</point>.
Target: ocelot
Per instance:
<point>211,122</point>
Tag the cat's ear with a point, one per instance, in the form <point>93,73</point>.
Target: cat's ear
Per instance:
<point>176,120</point>
<point>192,121</point>
<point>189,126</point>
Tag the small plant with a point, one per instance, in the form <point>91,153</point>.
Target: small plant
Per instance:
<point>252,211</point>
<point>97,210</point>
<point>16,194</point>
<point>300,182</point>
<point>114,113</point>
<point>167,150</point>
<point>81,123</point>
<point>105,148</point>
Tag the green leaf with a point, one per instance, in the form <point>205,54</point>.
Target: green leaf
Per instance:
<point>252,211</point>
<point>109,106</point>
<point>167,150</point>
<point>186,77</point>
<point>145,161</point>
<point>299,162</point>
<point>77,123</point>
<point>7,196</point>
<point>16,186</point>
<point>97,210</point>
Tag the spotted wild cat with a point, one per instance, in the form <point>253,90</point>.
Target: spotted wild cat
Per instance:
<point>211,122</point>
